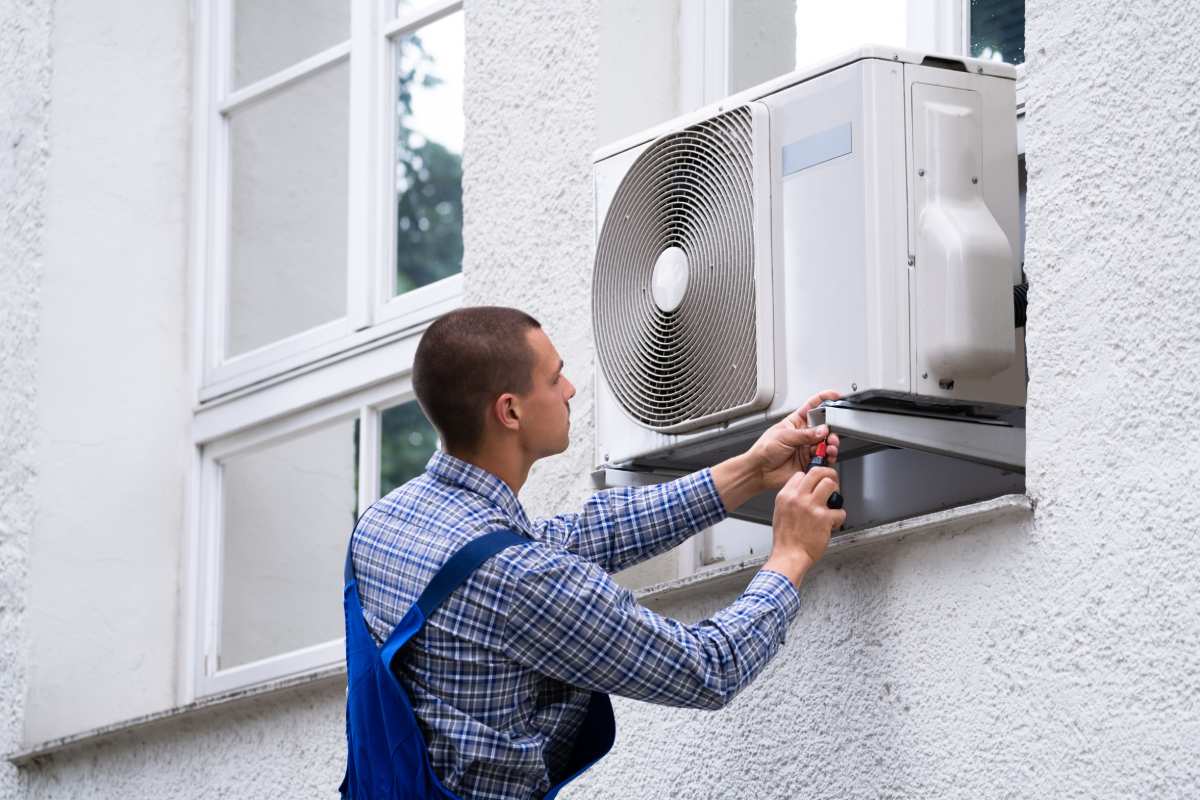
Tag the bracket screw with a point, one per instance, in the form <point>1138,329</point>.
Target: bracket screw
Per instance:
<point>912,260</point>
<point>924,376</point>
<point>974,180</point>
<point>921,172</point>
<point>854,387</point>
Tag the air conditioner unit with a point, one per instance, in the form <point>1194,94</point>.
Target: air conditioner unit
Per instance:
<point>853,226</point>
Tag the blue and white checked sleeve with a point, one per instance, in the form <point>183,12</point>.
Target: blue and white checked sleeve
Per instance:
<point>570,621</point>
<point>622,527</point>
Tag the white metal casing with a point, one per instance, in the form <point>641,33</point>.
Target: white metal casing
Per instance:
<point>851,312</point>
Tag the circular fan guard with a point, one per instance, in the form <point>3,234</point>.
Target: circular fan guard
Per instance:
<point>693,190</point>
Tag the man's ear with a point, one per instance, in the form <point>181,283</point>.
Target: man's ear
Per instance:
<point>507,410</point>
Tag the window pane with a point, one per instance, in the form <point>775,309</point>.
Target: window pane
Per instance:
<point>287,259</point>
<point>288,512</point>
<point>269,35</point>
<point>998,30</point>
<point>772,37</point>
<point>429,137</point>
<point>407,440</point>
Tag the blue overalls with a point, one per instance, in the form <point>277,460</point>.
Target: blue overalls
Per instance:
<point>387,755</point>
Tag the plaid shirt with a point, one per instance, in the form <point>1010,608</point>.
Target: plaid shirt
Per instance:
<point>501,674</point>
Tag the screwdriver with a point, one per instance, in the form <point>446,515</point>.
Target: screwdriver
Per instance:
<point>835,500</point>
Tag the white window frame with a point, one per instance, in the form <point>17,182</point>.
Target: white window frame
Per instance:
<point>366,406</point>
<point>372,312</point>
<point>359,365</point>
<point>941,26</point>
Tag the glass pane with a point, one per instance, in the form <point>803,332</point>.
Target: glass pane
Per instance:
<point>288,512</point>
<point>998,30</point>
<point>407,440</point>
<point>772,37</point>
<point>287,259</point>
<point>429,137</point>
<point>269,35</point>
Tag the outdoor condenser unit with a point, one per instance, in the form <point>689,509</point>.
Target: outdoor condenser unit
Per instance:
<point>853,226</point>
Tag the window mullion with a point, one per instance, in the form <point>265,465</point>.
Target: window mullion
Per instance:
<point>360,249</point>
<point>217,268</point>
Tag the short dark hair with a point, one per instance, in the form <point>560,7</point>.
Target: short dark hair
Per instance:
<point>466,359</point>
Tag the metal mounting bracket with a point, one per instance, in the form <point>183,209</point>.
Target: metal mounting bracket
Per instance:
<point>984,442</point>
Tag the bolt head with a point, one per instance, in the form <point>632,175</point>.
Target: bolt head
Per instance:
<point>921,172</point>
<point>854,387</point>
<point>974,180</point>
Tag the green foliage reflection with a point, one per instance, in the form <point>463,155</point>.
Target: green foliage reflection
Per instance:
<point>428,180</point>
<point>407,440</point>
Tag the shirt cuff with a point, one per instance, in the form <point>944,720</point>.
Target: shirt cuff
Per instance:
<point>778,589</point>
<point>701,499</point>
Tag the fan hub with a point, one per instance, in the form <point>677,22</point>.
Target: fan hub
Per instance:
<point>669,280</point>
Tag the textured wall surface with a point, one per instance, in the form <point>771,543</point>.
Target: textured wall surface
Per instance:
<point>527,211</point>
<point>1052,655</point>
<point>25,71</point>
<point>288,747</point>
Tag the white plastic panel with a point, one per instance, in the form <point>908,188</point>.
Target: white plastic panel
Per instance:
<point>997,191</point>
<point>964,260</point>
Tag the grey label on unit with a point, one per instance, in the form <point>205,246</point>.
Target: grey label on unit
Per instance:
<point>817,149</point>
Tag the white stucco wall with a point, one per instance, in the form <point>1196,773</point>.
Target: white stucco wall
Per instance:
<point>24,113</point>
<point>1051,655</point>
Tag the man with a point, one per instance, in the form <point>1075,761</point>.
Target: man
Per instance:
<point>502,673</point>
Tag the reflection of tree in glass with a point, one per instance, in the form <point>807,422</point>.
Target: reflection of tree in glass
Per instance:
<point>998,30</point>
<point>407,441</point>
<point>428,183</point>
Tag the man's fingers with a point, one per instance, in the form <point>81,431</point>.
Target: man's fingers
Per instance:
<point>799,417</point>
<point>825,488</point>
<point>814,476</point>
<point>831,449</point>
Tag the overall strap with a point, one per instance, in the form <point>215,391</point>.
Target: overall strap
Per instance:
<point>460,566</point>
<point>452,574</point>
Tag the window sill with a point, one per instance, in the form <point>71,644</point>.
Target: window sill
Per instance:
<point>1011,505</point>
<point>30,754</point>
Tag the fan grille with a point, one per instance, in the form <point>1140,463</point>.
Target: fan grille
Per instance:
<point>692,190</point>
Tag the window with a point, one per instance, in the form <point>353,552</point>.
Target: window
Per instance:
<point>279,502</point>
<point>744,44</point>
<point>996,30</point>
<point>330,174</point>
<point>328,235</point>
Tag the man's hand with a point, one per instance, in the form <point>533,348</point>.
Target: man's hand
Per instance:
<point>803,523</point>
<point>787,446</point>
<point>783,450</point>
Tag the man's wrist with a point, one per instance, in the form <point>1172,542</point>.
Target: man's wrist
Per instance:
<point>794,567</point>
<point>737,480</point>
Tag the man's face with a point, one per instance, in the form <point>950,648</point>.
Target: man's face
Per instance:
<point>546,417</point>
